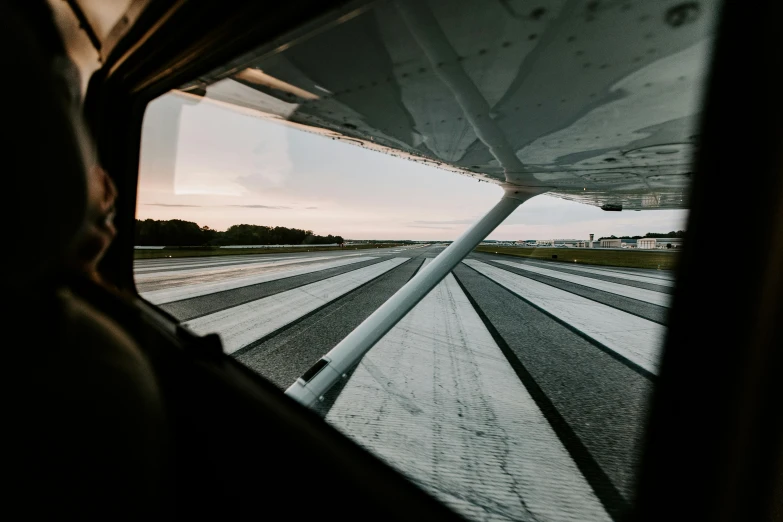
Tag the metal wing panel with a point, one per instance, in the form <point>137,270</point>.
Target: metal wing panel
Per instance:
<point>598,99</point>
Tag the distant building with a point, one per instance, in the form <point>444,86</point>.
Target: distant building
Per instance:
<point>565,242</point>
<point>646,243</point>
<point>558,243</point>
<point>668,242</point>
<point>611,243</point>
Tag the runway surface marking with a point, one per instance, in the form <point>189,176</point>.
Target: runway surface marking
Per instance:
<point>636,339</point>
<point>189,288</point>
<point>647,272</point>
<point>143,268</point>
<point>165,264</point>
<point>235,268</point>
<point>437,399</point>
<point>241,325</point>
<point>611,273</point>
<point>641,294</point>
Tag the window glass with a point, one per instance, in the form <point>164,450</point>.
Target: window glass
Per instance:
<point>284,197</point>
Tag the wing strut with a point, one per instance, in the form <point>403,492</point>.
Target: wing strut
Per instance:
<point>311,386</point>
<point>334,365</point>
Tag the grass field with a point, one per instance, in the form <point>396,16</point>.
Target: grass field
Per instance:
<point>215,251</point>
<point>656,259</point>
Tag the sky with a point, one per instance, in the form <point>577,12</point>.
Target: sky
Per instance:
<point>219,167</point>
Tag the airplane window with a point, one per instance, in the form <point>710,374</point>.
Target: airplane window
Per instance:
<point>284,197</point>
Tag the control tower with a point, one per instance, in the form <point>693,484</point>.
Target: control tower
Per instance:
<point>591,240</point>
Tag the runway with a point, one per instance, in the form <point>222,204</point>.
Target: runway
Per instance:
<point>516,390</point>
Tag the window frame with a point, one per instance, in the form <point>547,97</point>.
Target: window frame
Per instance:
<point>720,459</point>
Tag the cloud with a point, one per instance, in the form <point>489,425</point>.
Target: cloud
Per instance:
<point>466,221</point>
<point>430,227</point>
<point>310,208</point>
<point>223,152</point>
<point>261,206</point>
<point>171,205</point>
<point>270,207</point>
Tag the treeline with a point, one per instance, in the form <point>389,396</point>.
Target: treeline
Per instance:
<point>678,233</point>
<point>176,232</point>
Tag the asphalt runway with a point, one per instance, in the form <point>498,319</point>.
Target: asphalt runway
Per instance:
<point>516,390</point>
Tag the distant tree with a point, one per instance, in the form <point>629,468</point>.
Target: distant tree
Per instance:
<point>176,232</point>
<point>678,233</point>
<point>208,235</point>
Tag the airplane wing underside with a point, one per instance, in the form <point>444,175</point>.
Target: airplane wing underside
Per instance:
<point>596,100</point>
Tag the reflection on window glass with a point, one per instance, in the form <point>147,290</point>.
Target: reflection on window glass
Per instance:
<point>280,203</point>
